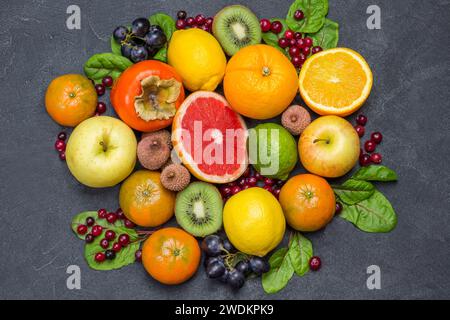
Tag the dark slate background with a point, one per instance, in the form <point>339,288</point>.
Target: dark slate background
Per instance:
<point>409,103</point>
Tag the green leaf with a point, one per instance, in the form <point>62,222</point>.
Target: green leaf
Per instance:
<point>166,22</point>
<point>315,12</point>
<point>81,219</point>
<point>105,64</point>
<point>300,252</point>
<point>375,173</point>
<point>115,47</point>
<point>281,271</point>
<point>123,258</point>
<point>328,36</point>
<point>271,38</point>
<point>353,191</point>
<point>374,214</point>
<point>161,55</point>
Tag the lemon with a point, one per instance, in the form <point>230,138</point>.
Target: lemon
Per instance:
<point>198,58</point>
<point>254,221</point>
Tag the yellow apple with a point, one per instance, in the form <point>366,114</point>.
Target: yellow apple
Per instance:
<point>101,152</point>
<point>329,147</point>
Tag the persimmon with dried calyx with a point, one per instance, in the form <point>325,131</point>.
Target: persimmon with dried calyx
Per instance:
<point>147,95</point>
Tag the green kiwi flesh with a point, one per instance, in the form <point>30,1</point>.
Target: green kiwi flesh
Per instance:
<point>236,27</point>
<point>198,209</point>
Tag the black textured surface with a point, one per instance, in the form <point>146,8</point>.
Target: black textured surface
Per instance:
<point>409,104</point>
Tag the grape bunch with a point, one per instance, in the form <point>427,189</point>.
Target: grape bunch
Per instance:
<point>140,42</point>
<point>224,263</point>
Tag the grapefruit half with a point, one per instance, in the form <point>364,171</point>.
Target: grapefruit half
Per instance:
<point>210,138</point>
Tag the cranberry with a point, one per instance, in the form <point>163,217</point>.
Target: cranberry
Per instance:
<point>308,42</point>
<point>306,50</point>
<point>200,20</point>
<point>299,15</point>
<point>116,247</point>
<point>62,136</point>
<point>180,24</point>
<point>190,21</point>
<point>302,58</point>
<point>124,240</point>
<point>181,14</point>
<point>297,35</point>
<point>100,89</point>
<point>279,183</point>
<point>111,217</point>
<point>276,193</point>
<point>110,235</point>
<point>110,254</point>
<point>364,160</point>
<point>97,230</point>
<point>120,214</point>
<point>235,189</point>
<point>100,257</point>
<point>62,155</point>
<point>265,24</point>
<point>338,208</point>
<point>276,27</point>
<point>300,43</point>
<point>361,119</point>
<point>108,81</point>
<point>269,182</point>
<point>82,229</point>
<point>251,181</point>
<point>226,191</point>
<point>258,176</point>
<point>370,146</point>
<point>294,51</point>
<point>138,255</point>
<point>376,158</point>
<point>316,49</point>
<point>102,213</point>
<point>204,27</point>
<point>289,34</point>
<point>129,224</point>
<point>360,130</point>
<point>104,244</point>
<point>292,43</point>
<point>89,238</point>
<point>296,61</point>
<point>90,221</point>
<point>241,182</point>
<point>268,188</point>
<point>60,145</point>
<point>315,263</point>
<point>376,137</point>
<point>209,22</point>
<point>101,107</point>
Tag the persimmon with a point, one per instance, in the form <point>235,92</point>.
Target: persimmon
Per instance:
<point>147,95</point>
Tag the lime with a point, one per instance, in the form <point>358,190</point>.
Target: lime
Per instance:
<point>274,150</point>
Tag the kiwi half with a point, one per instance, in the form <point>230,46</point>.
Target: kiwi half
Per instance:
<point>236,27</point>
<point>198,209</point>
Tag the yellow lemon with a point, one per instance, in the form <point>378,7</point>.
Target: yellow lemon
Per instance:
<point>198,58</point>
<point>253,221</point>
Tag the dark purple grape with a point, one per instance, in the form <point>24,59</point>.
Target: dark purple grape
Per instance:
<point>155,39</point>
<point>140,27</point>
<point>236,279</point>
<point>212,245</point>
<point>110,254</point>
<point>243,266</point>
<point>258,265</point>
<point>120,34</point>
<point>181,14</point>
<point>210,260</point>
<point>125,49</point>
<point>138,54</point>
<point>215,270</point>
<point>224,278</point>
<point>226,244</point>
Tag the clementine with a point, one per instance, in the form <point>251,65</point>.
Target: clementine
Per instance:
<point>70,99</point>
<point>260,82</point>
<point>308,202</point>
<point>171,255</point>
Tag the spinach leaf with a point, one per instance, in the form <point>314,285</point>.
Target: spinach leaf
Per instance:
<point>105,64</point>
<point>300,252</point>
<point>281,271</point>
<point>353,191</point>
<point>115,47</point>
<point>161,55</point>
<point>164,21</point>
<point>81,219</point>
<point>123,258</point>
<point>315,12</point>
<point>375,173</point>
<point>328,36</point>
<point>374,214</point>
<point>271,38</point>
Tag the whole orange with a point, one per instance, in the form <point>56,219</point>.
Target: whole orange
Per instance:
<point>308,202</point>
<point>171,255</point>
<point>70,99</point>
<point>260,82</point>
<point>145,201</point>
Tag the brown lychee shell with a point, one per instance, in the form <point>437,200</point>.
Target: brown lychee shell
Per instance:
<point>295,119</point>
<point>175,177</point>
<point>153,152</point>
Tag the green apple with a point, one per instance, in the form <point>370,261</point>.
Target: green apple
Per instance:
<point>329,147</point>
<point>101,152</point>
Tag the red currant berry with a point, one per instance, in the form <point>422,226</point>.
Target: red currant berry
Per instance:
<point>89,238</point>
<point>258,176</point>
<point>116,247</point>
<point>104,244</point>
<point>138,255</point>
<point>108,81</point>
<point>82,229</point>
<point>62,155</point>
<point>180,24</point>
<point>283,42</point>
<point>190,21</point>
<point>60,145</point>
<point>181,14</point>
<point>265,25</point>
<point>102,213</point>
<point>294,51</point>
<point>268,188</point>
<point>251,181</point>
<point>129,224</point>
<point>370,146</point>
<point>315,263</point>
<point>90,221</point>
<point>276,193</point>
<point>269,182</point>
<point>316,49</point>
<point>306,50</point>
<point>226,191</point>
<point>111,217</point>
<point>100,257</point>
<point>62,136</point>
<point>302,58</point>
<point>338,208</point>
<point>300,43</point>
<point>110,235</point>
<point>276,27</point>
<point>235,190</point>
<point>297,35</point>
<point>360,130</point>
<point>376,137</point>
<point>289,34</point>
<point>97,230</point>
<point>120,214</point>
<point>124,240</point>
<point>299,15</point>
<point>308,42</point>
<point>100,89</point>
<point>247,172</point>
<point>364,160</point>
<point>209,22</point>
<point>101,107</point>
<point>376,158</point>
<point>200,20</point>
<point>361,119</point>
